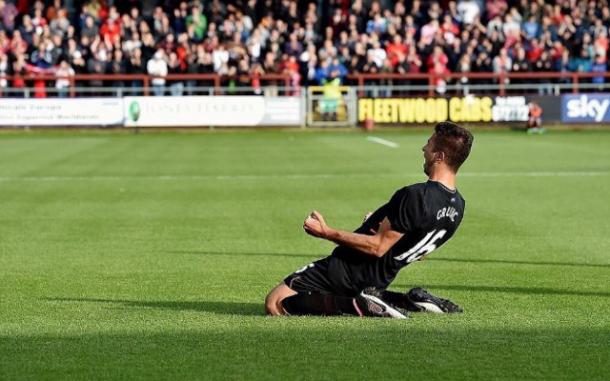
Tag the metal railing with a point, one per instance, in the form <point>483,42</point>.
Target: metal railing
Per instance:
<point>379,84</point>
<point>499,83</point>
<point>39,85</point>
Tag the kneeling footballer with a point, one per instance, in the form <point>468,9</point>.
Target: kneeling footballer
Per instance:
<point>416,220</point>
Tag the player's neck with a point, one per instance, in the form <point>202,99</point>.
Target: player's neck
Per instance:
<point>443,176</point>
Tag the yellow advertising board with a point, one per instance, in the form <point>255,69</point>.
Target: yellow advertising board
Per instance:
<point>425,110</point>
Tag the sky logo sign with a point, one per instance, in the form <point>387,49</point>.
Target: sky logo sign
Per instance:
<point>583,108</point>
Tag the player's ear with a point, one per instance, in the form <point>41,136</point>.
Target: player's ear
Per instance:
<point>439,156</point>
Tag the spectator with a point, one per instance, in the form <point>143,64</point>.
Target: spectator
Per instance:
<point>437,64</point>
<point>323,73</point>
<point>19,70</point>
<point>338,70</point>
<point>379,55</point>
<point>157,67</point>
<point>599,66</point>
<point>118,66</point>
<point>502,63</point>
<point>4,71</point>
<point>176,88</point>
<point>63,82</point>
<point>468,10</point>
<point>97,64</point>
<point>520,63</point>
<point>531,28</point>
<point>60,24</point>
<point>90,29</point>
<point>8,14</point>
<point>135,65</point>
<point>414,60</point>
<point>197,22</point>
<point>395,49</point>
<point>364,36</point>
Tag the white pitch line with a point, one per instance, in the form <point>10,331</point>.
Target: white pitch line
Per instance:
<point>387,143</point>
<point>534,174</point>
<point>294,176</point>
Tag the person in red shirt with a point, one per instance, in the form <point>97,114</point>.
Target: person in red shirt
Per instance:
<point>437,64</point>
<point>395,49</point>
<point>111,31</point>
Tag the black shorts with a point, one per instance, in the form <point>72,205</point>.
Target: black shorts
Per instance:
<point>314,277</point>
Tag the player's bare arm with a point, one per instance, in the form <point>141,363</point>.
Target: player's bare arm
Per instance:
<point>377,244</point>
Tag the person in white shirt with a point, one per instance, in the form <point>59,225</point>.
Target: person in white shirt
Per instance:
<point>157,67</point>
<point>469,10</point>
<point>63,74</point>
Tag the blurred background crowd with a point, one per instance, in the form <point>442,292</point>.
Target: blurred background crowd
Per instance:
<point>310,41</point>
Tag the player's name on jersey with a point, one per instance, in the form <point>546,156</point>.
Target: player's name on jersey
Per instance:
<point>448,212</point>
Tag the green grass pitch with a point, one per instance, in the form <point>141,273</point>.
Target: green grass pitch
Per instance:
<point>148,257</point>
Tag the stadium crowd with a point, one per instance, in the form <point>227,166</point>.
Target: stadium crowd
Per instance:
<point>310,41</point>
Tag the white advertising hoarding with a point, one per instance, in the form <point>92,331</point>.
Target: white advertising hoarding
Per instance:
<point>202,111</point>
<point>61,112</point>
<point>283,111</point>
<point>194,111</point>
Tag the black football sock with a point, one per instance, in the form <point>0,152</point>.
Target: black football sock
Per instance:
<point>321,305</point>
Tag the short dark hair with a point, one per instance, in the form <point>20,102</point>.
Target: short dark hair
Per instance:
<point>454,141</point>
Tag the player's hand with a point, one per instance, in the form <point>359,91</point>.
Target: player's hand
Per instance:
<point>315,225</point>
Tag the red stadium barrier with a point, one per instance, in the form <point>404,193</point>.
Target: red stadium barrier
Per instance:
<point>214,79</point>
<point>38,79</point>
<point>500,78</point>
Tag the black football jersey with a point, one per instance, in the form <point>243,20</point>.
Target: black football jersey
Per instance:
<point>427,213</point>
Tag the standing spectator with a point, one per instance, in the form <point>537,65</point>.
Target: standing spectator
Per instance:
<point>64,74</point>
<point>395,49</point>
<point>4,71</point>
<point>157,67</point>
<point>118,66</point>
<point>502,63</point>
<point>97,64</point>
<point>599,66</point>
<point>468,10</point>
<point>379,55</point>
<point>61,23</point>
<point>19,71</point>
<point>323,72</point>
<point>337,70</point>
<point>180,15</point>
<point>520,63</point>
<point>464,66</point>
<point>197,22</point>
<point>428,32</point>
<point>42,57</point>
<point>135,65</point>
<point>8,14</point>
<point>90,29</point>
<point>220,57</point>
<point>437,64</point>
<point>176,88</point>
<point>415,63</point>
<point>531,28</point>
<point>291,68</point>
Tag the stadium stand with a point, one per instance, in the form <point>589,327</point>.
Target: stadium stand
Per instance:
<point>307,42</point>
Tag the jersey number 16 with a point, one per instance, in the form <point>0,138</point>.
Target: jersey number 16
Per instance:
<point>423,247</point>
